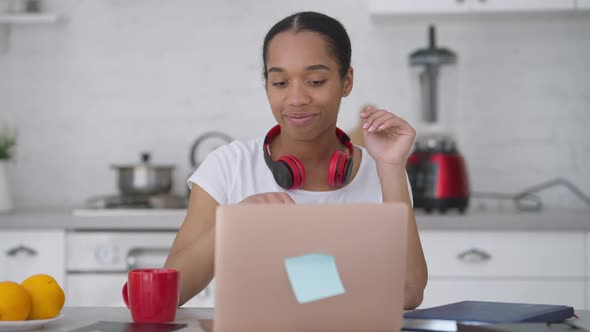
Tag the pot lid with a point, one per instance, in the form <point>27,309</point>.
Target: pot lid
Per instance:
<point>145,162</point>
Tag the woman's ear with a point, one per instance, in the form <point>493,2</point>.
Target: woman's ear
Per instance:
<point>348,79</point>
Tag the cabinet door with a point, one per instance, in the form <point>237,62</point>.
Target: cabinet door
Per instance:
<point>417,7</point>
<point>583,4</point>
<point>562,292</point>
<point>23,253</point>
<point>521,5</point>
<point>485,254</point>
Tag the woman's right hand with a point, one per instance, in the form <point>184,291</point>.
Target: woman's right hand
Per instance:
<point>269,198</point>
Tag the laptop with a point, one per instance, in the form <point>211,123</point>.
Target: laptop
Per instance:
<point>322,268</point>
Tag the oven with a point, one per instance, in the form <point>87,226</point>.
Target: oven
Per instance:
<point>98,260</point>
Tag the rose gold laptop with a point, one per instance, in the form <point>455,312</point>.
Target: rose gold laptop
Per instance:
<point>310,267</point>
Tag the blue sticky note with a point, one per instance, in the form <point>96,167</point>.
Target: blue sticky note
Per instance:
<point>313,277</point>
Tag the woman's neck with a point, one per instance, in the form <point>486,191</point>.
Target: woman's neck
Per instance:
<point>310,153</point>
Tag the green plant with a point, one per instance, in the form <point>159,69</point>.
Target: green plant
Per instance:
<point>7,142</point>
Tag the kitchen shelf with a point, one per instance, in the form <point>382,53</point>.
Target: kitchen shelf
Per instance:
<point>9,20</point>
<point>41,18</point>
<point>440,8</point>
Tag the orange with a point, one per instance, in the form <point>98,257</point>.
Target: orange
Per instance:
<point>47,296</point>
<point>15,302</point>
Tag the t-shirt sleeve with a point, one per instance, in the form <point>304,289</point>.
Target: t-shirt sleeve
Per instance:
<point>214,174</point>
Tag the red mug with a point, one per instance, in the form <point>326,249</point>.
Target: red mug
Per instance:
<point>152,294</point>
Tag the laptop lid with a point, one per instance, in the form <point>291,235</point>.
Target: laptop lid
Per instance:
<point>293,267</point>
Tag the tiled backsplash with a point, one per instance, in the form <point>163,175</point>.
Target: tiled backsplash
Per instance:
<point>121,77</point>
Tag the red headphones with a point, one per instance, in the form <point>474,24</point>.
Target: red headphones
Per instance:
<point>289,172</point>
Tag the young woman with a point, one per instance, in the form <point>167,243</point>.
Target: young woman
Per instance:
<point>305,158</point>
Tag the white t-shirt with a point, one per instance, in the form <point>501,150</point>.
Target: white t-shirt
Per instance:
<point>237,170</point>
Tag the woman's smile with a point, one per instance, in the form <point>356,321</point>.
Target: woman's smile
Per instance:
<point>300,119</point>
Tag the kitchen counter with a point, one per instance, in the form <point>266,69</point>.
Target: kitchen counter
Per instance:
<point>87,219</point>
<point>77,317</point>
<point>548,220</point>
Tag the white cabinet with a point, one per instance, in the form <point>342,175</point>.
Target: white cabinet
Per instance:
<point>98,261</point>
<point>583,4</point>
<point>45,18</point>
<point>23,253</point>
<point>408,7</point>
<point>105,290</point>
<point>418,7</point>
<point>511,266</point>
<point>521,5</point>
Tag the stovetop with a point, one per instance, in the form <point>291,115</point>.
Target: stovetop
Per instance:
<point>108,202</point>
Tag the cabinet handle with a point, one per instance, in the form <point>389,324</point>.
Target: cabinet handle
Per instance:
<point>21,249</point>
<point>460,1</point>
<point>474,255</point>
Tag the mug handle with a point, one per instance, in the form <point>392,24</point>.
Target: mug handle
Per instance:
<point>125,295</point>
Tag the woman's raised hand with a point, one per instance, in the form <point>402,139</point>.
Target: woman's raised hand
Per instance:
<point>387,137</point>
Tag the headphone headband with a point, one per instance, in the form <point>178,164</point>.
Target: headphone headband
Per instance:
<point>276,130</point>
<point>289,172</point>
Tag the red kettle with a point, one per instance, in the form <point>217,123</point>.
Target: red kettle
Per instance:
<point>438,175</point>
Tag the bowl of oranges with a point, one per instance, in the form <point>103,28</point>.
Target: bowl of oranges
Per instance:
<point>30,304</point>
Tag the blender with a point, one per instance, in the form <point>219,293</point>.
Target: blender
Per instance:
<point>436,169</point>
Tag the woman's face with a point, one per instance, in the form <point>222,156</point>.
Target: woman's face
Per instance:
<point>304,86</point>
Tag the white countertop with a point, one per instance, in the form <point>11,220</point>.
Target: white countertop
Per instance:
<point>138,219</point>
<point>113,219</point>
<point>546,220</point>
<point>77,317</point>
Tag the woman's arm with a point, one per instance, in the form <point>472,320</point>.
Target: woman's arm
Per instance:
<point>394,187</point>
<point>192,252</point>
<point>388,139</point>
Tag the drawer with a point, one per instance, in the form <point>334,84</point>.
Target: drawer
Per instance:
<point>504,254</point>
<point>562,292</point>
<point>24,253</point>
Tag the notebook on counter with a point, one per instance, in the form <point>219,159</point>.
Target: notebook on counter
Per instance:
<point>494,312</point>
<point>521,327</point>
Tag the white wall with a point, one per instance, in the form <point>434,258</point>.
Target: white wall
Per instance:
<point>123,76</point>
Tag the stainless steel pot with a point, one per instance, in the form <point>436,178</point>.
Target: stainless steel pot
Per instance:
<point>144,178</point>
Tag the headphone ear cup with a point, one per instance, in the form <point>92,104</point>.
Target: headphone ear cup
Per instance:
<point>296,169</point>
<point>282,174</point>
<point>336,172</point>
<point>347,170</point>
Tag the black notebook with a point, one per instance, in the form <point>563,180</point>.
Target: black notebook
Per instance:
<point>494,312</point>
<point>521,327</point>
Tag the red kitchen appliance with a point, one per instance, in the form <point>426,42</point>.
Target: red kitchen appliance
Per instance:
<point>437,171</point>
<point>438,175</point>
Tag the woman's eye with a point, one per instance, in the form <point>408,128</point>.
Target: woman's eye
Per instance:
<point>317,82</point>
<point>279,84</point>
